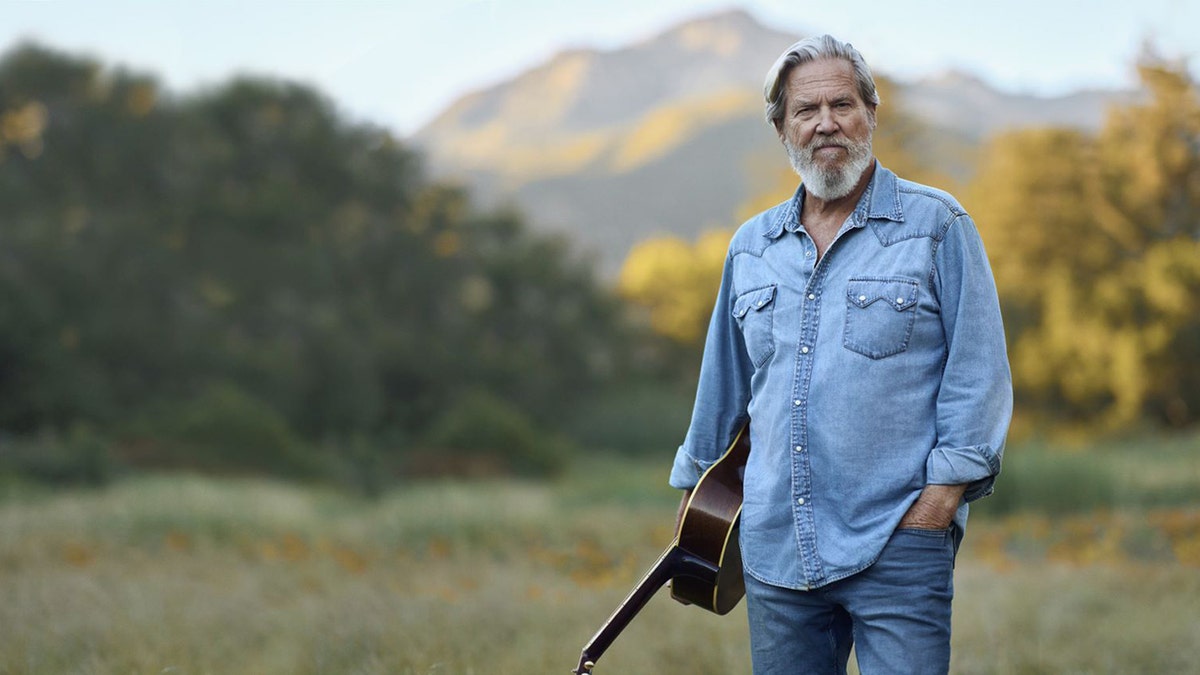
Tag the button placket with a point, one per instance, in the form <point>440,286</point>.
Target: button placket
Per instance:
<point>804,354</point>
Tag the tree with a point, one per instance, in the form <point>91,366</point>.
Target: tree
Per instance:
<point>245,257</point>
<point>1095,242</point>
<point>676,283</point>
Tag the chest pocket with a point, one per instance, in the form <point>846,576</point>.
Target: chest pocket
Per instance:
<point>880,315</point>
<point>754,312</point>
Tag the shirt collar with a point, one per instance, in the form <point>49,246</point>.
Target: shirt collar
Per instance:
<point>880,201</point>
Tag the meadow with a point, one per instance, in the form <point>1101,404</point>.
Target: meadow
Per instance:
<point>1086,561</point>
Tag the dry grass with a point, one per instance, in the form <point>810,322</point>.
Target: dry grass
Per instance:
<point>190,576</point>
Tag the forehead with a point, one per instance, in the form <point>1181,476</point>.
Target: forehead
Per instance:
<point>822,79</point>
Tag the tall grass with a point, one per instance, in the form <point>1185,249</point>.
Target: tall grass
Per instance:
<point>179,574</point>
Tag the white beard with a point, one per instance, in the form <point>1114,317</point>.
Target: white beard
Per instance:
<point>830,182</point>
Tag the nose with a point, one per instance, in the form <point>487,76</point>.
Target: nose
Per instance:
<point>825,122</point>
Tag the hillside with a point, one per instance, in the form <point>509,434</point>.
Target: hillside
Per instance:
<point>667,135</point>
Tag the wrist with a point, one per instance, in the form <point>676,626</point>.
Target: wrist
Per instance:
<point>945,496</point>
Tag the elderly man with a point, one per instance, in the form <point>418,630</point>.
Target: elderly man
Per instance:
<point>857,330</point>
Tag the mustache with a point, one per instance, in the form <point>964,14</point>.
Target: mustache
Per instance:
<point>827,143</point>
<point>808,151</point>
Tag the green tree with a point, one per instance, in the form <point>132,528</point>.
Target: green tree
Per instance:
<point>245,254</point>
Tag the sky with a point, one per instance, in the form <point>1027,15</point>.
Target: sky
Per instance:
<point>397,64</point>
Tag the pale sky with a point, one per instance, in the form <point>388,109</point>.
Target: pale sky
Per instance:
<point>398,63</point>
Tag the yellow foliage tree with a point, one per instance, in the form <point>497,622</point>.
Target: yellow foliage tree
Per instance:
<point>676,282</point>
<point>1095,243</point>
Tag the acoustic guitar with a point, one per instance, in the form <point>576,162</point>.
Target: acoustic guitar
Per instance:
<point>703,562</point>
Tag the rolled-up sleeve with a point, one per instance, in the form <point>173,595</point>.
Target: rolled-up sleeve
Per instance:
<point>974,404</point>
<point>722,394</point>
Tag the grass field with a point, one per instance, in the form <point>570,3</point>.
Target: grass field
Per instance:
<point>192,575</point>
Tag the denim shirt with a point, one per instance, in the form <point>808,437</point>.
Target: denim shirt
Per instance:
<point>865,376</point>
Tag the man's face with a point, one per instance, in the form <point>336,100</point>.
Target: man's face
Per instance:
<point>826,127</point>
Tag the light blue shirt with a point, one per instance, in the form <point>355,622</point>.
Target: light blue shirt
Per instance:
<point>865,376</point>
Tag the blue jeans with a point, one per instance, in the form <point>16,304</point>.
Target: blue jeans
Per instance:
<point>896,613</point>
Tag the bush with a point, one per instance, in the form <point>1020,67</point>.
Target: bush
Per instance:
<point>636,420</point>
<point>81,457</point>
<point>484,435</point>
<point>226,429</point>
<point>1046,481</point>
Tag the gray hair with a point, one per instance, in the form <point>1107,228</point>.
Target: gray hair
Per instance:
<point>806,51</point>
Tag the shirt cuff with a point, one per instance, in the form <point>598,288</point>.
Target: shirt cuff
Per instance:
<point>687,470</point>
<point>975,466</point>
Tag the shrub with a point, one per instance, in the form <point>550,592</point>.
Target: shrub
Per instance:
<point>637,420</point>
<point>1047,481</point>
<point>481,435</point>
<point>226,429</point>
<point>80,457</point>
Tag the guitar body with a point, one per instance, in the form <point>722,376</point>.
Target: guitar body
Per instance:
<point>709,530</point>
<point>703,563</point>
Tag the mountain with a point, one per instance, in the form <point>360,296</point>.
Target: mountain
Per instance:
<point>667,136</point>
<point>962,102</point>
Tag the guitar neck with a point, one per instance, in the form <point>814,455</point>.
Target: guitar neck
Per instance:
<point>659,574</point>
<point>674,562</point>
<point>704,559</point>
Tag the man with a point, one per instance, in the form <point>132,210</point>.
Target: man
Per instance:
<point>857,330</point>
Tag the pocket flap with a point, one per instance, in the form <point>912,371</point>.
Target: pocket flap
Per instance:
<point>900,294</point>
<point>756,299</point>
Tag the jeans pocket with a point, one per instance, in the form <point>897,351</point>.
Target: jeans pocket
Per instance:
<point>879,315</point>
<point>922,538</point>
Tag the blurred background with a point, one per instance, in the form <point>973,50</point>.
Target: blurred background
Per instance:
<point>302,301</point>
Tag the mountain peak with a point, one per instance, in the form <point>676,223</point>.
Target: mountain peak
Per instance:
<point>734,18</point>
<point>591,91</point>
<point>723,32</point>
<point>723,35</point>
<point>610,145</point>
